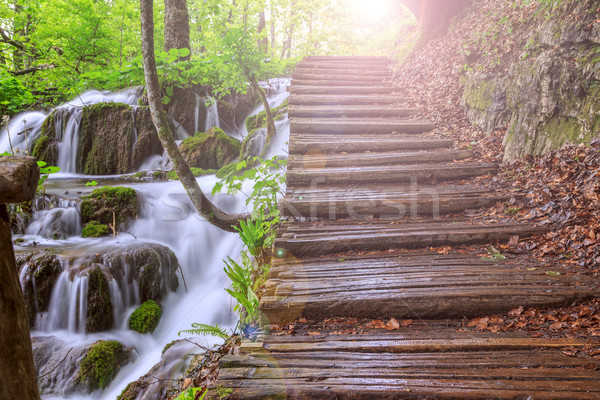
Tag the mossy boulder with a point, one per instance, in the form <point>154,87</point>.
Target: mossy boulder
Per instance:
<point>210,150</point>
<point>42,272</point>
<point>101,363</point>
<point>95,229</point>
<point>226,115</point>
<point>100,311</point>
<point>146,317</point>
<point>115,138</point>
<point>260,120</point>
<point>100,205</point>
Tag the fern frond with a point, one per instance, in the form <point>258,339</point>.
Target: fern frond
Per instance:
<point>205,329</point>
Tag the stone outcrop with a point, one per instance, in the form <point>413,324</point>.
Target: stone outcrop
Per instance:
<point>210,150</point>
<point>549,94</point>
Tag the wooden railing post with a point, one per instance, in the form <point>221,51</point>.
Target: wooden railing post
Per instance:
<point>18,182</point>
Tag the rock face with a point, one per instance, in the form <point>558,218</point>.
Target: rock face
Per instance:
<point>114,138</point>
<point>549,93</point>
<point>65,370</point>
<point>116,278</point>
<point>107,203</point>
<point>210,150</point>
<point>39,272</point>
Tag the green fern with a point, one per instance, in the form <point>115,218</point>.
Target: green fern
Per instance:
<point>205,329</point>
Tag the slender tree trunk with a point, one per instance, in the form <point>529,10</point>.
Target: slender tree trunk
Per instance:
<point>177,26</point>
<point>271,131</point>
<point>272,15</point>
<point>204,206</point>
<point>263,43</point>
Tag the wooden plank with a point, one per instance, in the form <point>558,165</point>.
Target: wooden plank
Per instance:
<point>356,59</point>
<point>324,81</point>
<point>340,238</point>
<point>311,75</point>
<point>350,111</point>
<point>342,90</point>
<point>302,144</point>
<point>359,126</point>
<point>317,161</point>
<point>18,179</point>
<point>421,345</point>
<point>366,68</point>
<point>296,99</point>
<point>418,174</point>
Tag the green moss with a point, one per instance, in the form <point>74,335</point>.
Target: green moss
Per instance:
<point>562,130</point>
<point>259,120</point>
<point>94,229</point>
<point>210,150</point>
<point>478,94</point>
<point>196,171</point>
<point>146,317</point>
<point>101,363</point>
<point>103,202</point>
<point>100,311</point>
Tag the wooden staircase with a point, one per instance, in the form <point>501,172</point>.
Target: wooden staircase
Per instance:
<point>366,181</point>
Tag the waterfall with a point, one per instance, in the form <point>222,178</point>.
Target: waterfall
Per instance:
<point>69,140</point>
<point>168,223</point>
<point>24,128</point>
<point>199,103</point>
<point>212,114</point>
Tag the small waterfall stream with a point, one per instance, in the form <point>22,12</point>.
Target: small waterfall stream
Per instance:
<point>167,222</point>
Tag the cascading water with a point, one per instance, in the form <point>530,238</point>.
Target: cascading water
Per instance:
<point>167,221</point>
<point>212,114</point>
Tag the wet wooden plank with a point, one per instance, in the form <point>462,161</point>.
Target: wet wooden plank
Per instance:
<point>324,81</point>
<point>350,111</point>
<point>343,90</point>
<point>311,143</point>
<point>352,77</point>
<point>317,161</point>
<point>304,239</point>
<point>359,126</point>
<point>356,59</point>
<point>335,67</point>
<point>297,99</point>
<point>391,173</point>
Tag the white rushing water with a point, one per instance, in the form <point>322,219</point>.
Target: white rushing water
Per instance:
<point>167,218</point>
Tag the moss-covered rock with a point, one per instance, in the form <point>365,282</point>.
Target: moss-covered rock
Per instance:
<point>42,272</point>
<point>100,205</point>
<point>101,363</point>
<point>256,141</point>
<point>226,115</point>
<point>110,143</point>
<point>45,147</point>
<point>146,317</point>
<point>100,311</point>
<point>95,229</point>
<point>196,171</point>
<point>243,104</point>
<point>260,120</point>
<point>210,150</point>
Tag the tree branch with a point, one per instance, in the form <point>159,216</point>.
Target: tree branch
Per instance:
<point>7,39</point>
<point>32,70</point>
<point>205,207</point>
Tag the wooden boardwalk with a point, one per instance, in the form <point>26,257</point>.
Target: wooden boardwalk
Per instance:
<point>365,182</point>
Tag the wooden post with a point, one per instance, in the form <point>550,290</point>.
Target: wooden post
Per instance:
<point>18,182</point>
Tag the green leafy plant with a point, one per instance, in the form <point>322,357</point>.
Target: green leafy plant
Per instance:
<point>494,255</point>
<point>91,183</point>
<point>190,394</point>
<point>205,329</point>
<point>45,170</point>
<point>242,288</point>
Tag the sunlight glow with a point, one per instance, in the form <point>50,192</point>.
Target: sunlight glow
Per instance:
<point>371,11</point>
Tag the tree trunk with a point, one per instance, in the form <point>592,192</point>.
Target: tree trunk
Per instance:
<point>435,15</point>
<point>263,43</point>
<point>177,26</point>
<point>18,180</point>
<point>272,15</point>
<point>204,206</point>
<point>271,130</point>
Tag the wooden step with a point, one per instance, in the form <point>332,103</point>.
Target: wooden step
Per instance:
<point>315,144</point>
<point>343,90</point>
<point>358,67</point>
<point>311,75</point>
<point>306,100</point>
<point>350,111</point>
<point>329,82</point>
<point>302,239</point>
<point>390,202</point>
<point>401,365</point>
<point>343,71</point>
<point>419,174</point>
<point>353,59</point>
<point>320,161</point>
<point>359,125</point>
<point>425,287</point>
